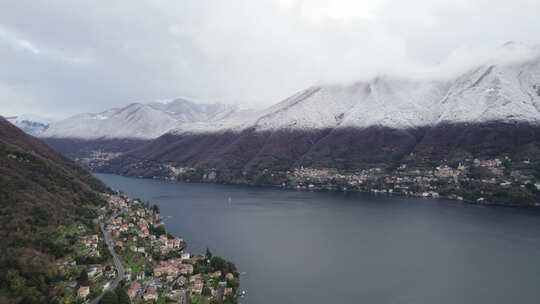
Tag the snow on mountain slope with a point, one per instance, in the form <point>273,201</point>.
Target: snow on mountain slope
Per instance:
<point>233,121</point>
<point>383,101</point>
<point>397,103</point>
<point>506,89</point>
<point>314,108</point>
<point>495,92</point>
<point>186,111</point>
<point>30,124</point>
<point>143,121</point>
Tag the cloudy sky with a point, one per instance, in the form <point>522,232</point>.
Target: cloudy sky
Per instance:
<point>61,57</point>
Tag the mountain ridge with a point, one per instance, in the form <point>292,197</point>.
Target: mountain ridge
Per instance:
<point>138,121</point>
<point>365,132</point>
<point>40,191</point>
<point>500,90</point>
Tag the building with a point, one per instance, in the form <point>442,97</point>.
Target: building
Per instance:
<point>216,274</point>
<point>177,296</point>
<point>128,274</point>
<point>133,290</point>
<point>140,276</point>
<point>196,288</point>
<point>186,269</point>
<point>95,271</point>
<point>221,291</point>
<point>150,295</point>
<point>83,292</point>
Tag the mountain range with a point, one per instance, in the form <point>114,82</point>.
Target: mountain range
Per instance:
<point>142,121</point>
<point>31,124</point>
<point>499,90</point>
<point>490,111</point>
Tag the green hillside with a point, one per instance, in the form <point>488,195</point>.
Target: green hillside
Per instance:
<point>41,192</point>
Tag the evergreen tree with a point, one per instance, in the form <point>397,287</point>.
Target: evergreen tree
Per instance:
<point>83,278</point>
<point>123,297</point>
<point>109,298</point>
<point>206,291</point>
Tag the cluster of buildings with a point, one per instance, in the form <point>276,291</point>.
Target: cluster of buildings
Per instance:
<point>97,158</point>
<point>173,268</point>
<point>90,243</point>
<point>154,264</point>
<point>440,181</point>
<point>164,245</point>
<point>132,230</point>
<point>163,269</point>
<point>84,259</point>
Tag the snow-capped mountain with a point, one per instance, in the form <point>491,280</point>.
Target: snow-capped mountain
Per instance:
<point>506,89</point>
<point>495,92</point>
<point>383,101</point>
<point>30,124</point>
<point>491,111</point>
<point>141,121</point>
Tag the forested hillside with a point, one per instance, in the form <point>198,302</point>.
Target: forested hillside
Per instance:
<point>41,192</point>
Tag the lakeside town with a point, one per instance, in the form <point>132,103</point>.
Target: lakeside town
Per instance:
<point>135,259</point>
<point>498,180</point>
<point>480,181</point>
<point>488,181</point>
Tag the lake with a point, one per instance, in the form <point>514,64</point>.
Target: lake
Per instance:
<point>318,247</point>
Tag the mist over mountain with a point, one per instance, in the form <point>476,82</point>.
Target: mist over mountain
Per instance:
<point>488,113</point>
<point>31,124</point>
<point>504,89</point>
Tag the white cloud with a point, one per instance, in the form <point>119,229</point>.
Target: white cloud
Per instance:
<point>317,10</point>
<point>88,56</point>
<point>12,40</point>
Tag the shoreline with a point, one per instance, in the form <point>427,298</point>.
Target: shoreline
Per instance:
<point>326,190</point>
<point>156,263</point>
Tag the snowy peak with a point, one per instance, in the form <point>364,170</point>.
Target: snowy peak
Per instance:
<point>314,108</point>
<point>383,101</point>
<point>498,92</point>
<point>30,124</point>
<point>136,120</point>
<point>397,103</point>
<point>506,89</point>
<point>187,111</point>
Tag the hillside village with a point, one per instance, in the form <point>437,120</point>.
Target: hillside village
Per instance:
<point>488,181</point>
<point>481,181</point>
<point>154,266</point>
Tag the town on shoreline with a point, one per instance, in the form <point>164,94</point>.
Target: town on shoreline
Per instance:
<point>128,257</point>
<point>498,180</point>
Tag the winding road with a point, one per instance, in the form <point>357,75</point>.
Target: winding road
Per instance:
<point>117,263</point>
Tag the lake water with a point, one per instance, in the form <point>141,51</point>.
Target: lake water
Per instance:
<point>304,247</point>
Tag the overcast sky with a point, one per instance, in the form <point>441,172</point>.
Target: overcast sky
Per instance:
<point>62,57</point>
